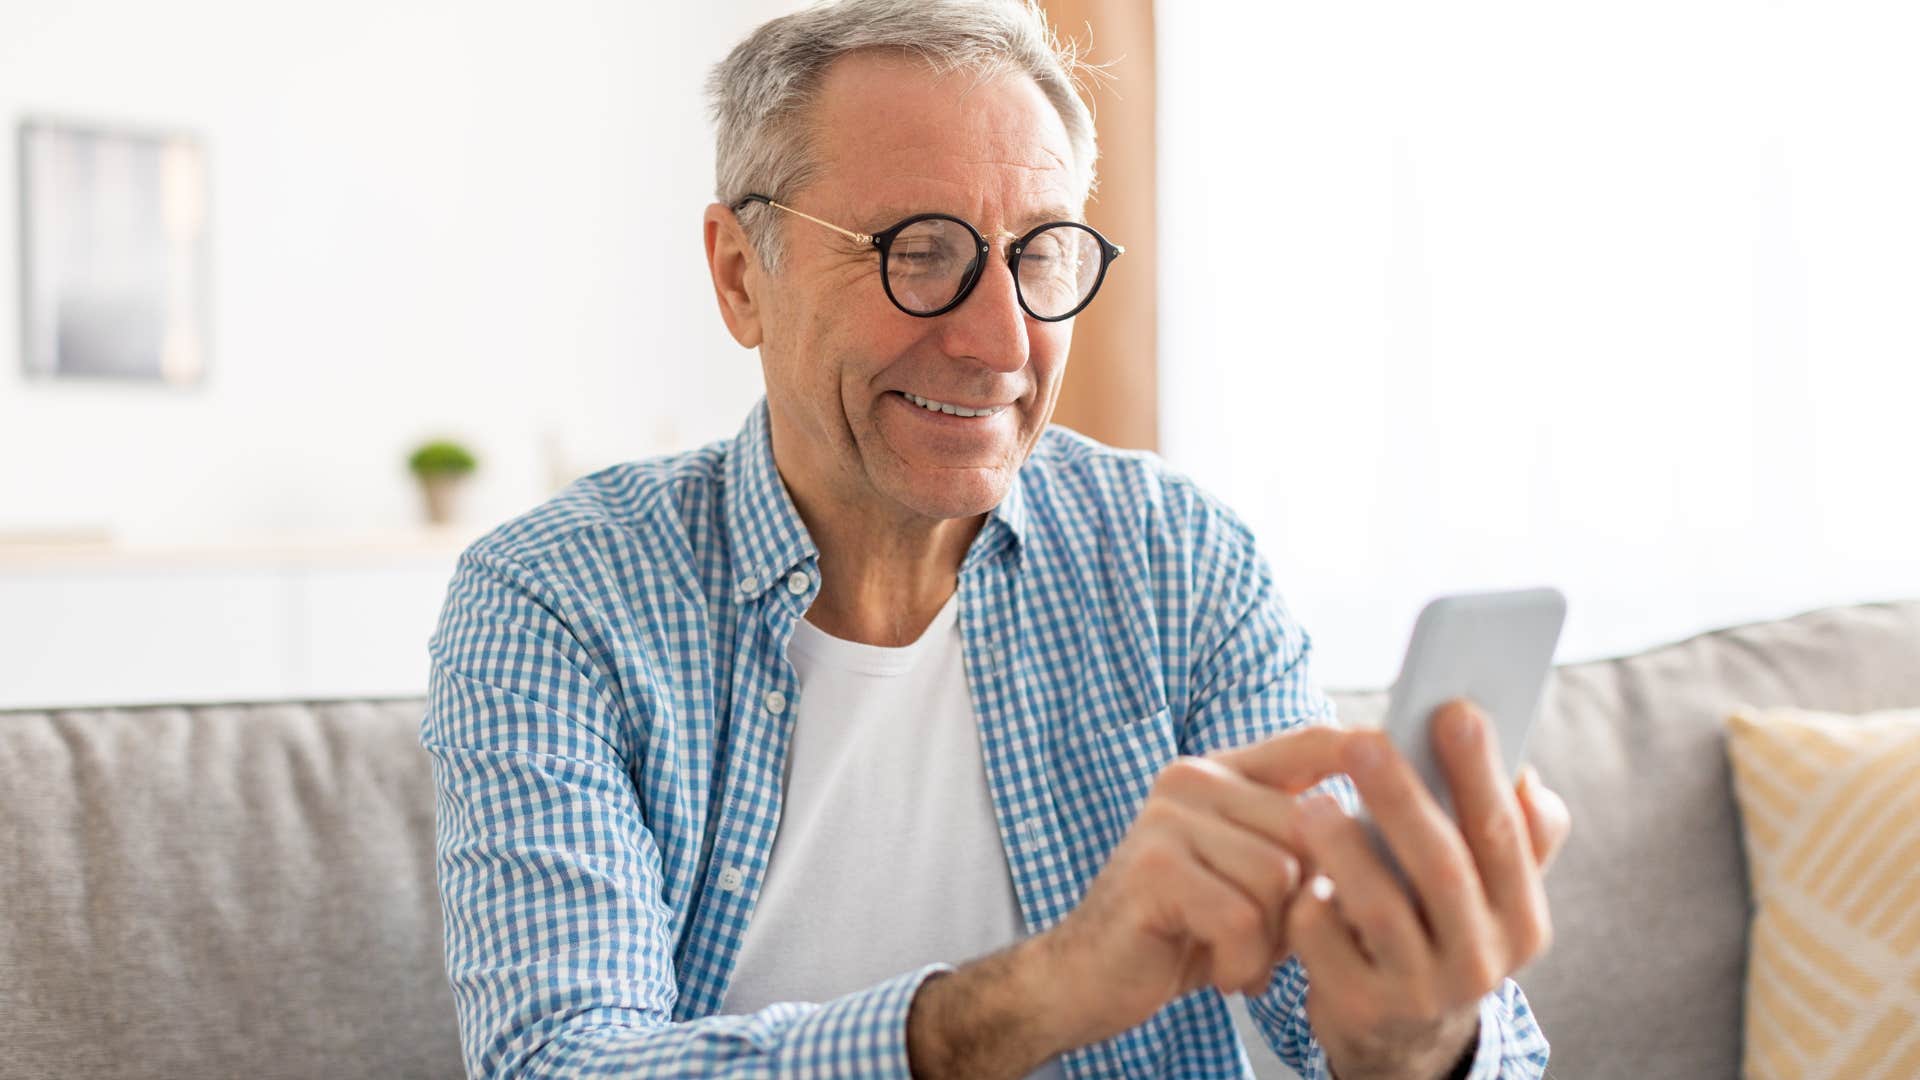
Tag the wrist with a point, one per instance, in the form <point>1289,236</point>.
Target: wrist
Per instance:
<point>1443,1053</point>
<point>1057,993</point>
<point>1001,1015</point>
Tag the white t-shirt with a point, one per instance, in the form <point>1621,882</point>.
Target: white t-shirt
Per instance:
<point>888,854</point>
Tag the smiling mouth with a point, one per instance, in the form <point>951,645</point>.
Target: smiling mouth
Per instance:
<point>951,410</point>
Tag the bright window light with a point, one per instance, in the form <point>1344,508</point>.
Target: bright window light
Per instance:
<point>1620,297</point>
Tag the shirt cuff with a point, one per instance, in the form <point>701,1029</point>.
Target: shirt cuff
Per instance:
<point>862,1034</point>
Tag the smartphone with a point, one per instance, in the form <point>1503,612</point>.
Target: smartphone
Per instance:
<point>1495,648</point>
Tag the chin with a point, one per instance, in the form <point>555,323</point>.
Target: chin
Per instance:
<point>955,493</point>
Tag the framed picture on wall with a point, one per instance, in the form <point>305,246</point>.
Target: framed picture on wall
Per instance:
<point>113,254</point>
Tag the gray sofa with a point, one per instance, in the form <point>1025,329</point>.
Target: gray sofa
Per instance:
<point>248,889</point>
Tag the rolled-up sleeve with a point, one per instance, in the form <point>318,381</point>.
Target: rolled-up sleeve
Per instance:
<point>1252,679</point>
<point>559,942</point>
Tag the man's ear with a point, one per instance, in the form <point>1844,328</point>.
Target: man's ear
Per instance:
<point>736,274</point>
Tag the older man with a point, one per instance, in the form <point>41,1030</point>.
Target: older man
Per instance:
<point>903,734</point>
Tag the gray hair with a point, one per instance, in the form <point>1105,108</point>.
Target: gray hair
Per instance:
<point>763,90</point>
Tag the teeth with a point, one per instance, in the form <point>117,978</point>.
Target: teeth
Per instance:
<point>942,407</point>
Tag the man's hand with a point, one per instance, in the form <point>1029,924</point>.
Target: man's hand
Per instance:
<point>1394,987</point>
<point>1196,892</point>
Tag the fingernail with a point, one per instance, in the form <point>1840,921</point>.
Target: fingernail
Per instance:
<point>1321,887</point>
<point>1551,801</point>
<point>1545,800</point>
<point>1290,869</point>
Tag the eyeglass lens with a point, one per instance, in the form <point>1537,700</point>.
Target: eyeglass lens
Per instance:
<point>930,262</point>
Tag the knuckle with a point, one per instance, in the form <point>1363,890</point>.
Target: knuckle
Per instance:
<point>1483,973</point>
<point>1449,874</point>
<point>1277,880</point>
<point>1156,859</point>
<point>1183,774</point>
<point>1160,817</point>
<point>1157,811</point>
<point>1500,831</point>
<point>1243,920</point>
<point>1536,934</point>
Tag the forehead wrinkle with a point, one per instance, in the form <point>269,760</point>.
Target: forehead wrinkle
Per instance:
<point>887,214</point>
<point>1028,203</point>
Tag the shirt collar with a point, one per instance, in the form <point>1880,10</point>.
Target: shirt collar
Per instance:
<point>766,537</point>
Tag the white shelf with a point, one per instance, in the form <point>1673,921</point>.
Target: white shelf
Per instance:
<point>254,618</point>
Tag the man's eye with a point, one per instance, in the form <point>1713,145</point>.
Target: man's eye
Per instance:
<point>921,258</point>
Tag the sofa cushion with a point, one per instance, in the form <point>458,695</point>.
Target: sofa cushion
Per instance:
<point>229,890</point>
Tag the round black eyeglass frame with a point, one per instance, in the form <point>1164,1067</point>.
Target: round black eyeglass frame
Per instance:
<point>883,240</point>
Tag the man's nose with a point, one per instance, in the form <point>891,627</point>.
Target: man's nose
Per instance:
<point>989,326</point>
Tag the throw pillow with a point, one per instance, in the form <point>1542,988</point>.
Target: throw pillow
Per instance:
<point>1830,807</point>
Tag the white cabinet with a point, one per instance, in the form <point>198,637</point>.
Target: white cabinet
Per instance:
<point>317,617</point>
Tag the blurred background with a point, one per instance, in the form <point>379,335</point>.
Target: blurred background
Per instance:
<point>1618,297</point>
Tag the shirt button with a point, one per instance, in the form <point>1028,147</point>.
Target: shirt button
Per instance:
<point>749,584</point>
<point>798,581</point>
<point>776,702</point>
<point>731,879</point>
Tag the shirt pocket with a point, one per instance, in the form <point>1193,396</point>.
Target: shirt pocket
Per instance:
<point>1111,768</point>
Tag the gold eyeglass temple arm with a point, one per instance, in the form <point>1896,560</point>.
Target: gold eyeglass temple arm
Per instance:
<point>863,238</point>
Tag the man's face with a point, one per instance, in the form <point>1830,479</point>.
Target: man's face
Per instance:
<point>893,139</point>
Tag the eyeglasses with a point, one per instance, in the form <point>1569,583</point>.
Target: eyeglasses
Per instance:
<point>929,263</point>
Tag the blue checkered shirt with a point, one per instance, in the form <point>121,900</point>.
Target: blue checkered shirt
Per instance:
<point>609,715</point>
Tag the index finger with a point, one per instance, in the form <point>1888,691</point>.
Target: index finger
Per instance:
<point>1291,761</point>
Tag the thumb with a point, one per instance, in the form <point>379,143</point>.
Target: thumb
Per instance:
<point>1548,820</point>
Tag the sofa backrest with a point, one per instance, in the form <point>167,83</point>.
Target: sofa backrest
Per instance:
<point>225,890</point>
<point>232,890</point>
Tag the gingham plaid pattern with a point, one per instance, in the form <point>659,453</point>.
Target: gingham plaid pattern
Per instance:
<point>608,720</point>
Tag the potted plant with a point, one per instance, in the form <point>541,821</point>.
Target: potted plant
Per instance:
<point>441,467</point>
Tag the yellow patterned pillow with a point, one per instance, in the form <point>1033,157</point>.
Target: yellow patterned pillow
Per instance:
<point>1831,808</point>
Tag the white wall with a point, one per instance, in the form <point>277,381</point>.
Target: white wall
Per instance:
<point>1615,296</point>
<point>474,218</point>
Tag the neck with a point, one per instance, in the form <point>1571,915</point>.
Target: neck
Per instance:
<point>884,572</point>
<point>884,589</point>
